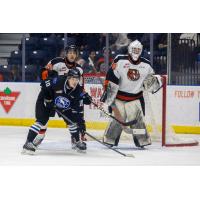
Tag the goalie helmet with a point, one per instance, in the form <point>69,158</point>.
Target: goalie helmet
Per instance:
<point>135,49</point>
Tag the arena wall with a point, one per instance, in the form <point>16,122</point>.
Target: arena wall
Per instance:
<point>18,107</point>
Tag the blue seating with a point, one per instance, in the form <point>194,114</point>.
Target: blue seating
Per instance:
<point>5,70</point>
<point>49,44</point>
<point>15,58</point>
<point>37,57</point>
<point>70,41</point>
<point>31,43</point>
<point>198,57</point>
<point>31,72</point>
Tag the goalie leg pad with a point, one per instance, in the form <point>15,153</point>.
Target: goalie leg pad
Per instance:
<point>142,140</point>
<point>134,111</point>
<point>112,133</point>
<point>114,129</point>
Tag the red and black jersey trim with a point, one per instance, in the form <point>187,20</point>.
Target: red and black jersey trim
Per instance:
<point>125,96</point>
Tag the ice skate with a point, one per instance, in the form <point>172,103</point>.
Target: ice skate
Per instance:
<point>29,148</point>
<point>79,146</point>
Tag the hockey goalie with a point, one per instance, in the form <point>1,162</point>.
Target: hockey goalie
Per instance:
<point>125,82</point>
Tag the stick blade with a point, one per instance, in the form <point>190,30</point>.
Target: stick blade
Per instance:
<point>130,155</point>
<point>130,123</point>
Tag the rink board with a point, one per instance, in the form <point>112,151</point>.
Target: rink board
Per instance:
<point>183,106</point>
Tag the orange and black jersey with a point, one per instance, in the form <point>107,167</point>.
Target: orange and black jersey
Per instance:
<point>57,66</point>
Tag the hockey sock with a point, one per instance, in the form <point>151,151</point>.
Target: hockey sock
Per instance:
<point>73,129</point>
<point>33,131</point>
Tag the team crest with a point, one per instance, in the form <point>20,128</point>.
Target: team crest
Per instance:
<point>133,74</point>
<point>62,102</point>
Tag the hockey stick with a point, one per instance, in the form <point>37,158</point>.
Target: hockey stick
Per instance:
<point>115,111</point>
<point>109,115</point>
<point>109,147</point>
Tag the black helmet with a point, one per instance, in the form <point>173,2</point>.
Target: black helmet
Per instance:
<point>75,73</point>
<point>71,47</point>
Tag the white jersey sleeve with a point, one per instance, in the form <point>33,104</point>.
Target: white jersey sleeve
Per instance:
<point>58,65</point>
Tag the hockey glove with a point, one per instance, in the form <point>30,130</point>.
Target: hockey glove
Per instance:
<point>104,96</point>
<point>50,107</point>
<point>49,104</point>
<point>86,98</point>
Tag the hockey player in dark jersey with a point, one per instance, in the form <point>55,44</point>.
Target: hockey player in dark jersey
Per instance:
<point>60,66</point>
<point>66,94</point>
<point>56,67</point>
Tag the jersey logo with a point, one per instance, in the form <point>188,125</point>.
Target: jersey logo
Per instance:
<point>127,65</point>
<point>133,74</point>
<point>55,80</point>
<point>62,102</point>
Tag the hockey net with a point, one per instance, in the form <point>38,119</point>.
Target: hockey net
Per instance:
<point>156,113</point>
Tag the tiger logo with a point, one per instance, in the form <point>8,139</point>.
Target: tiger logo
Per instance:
<point>133,74</point>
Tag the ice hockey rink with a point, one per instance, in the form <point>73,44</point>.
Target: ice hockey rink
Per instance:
<point>56,150</point>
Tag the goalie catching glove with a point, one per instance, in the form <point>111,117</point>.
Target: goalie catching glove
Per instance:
<point>153,83</point>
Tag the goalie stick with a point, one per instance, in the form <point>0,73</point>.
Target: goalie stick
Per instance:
<point>109,147</point>
<point>117,113</point>
<point>109,115</point>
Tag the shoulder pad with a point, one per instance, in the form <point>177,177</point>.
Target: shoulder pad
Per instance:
<point>145,60</point>
<point>120,57</point>
<point>77,65</point>
<point>57,60</point>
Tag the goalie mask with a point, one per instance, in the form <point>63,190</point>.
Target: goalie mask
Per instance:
<point>135,49</point>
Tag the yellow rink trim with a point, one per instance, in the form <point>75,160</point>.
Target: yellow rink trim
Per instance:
<point>186,129</point>
<point>90,125</point>
<point>51,123</point>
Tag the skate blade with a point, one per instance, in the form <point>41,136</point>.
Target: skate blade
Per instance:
<point>78,150</point>
<point>81,151</point>
<point>27,152</point>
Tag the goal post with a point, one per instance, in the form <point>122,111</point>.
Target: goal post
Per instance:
<point>180,142</point>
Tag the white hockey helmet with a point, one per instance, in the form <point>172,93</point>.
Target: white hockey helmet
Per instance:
<point>135,49</point>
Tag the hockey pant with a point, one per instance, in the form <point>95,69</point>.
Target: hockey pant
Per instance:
<point>129,111</point>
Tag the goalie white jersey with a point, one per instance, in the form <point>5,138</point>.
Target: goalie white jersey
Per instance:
<point>129,76</point>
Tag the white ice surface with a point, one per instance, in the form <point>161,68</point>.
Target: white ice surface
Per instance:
<point>56,150</point>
